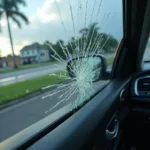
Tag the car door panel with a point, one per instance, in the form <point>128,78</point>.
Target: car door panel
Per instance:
<point>86,129</point>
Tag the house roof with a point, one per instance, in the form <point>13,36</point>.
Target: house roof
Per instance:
<point>36,46</point>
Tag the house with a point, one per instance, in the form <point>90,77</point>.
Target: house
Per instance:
<point>8,61</point>
<point>34,53</point>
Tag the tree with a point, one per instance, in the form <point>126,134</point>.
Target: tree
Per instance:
<point>46,44</point>
<point>10,10</point>
<point>107,42</point>
<point>92,38</point>
<point>72,45</point>
<point>57,47</point>
<point>112,43</point>
<point>9,55</point>
<point>88,36</point>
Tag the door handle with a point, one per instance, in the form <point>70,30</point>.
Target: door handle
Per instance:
<point>112,128</point>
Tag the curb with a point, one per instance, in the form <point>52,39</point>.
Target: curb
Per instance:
<point>31,95</point>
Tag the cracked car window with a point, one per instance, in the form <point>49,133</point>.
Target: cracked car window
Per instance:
<point>54,54</point>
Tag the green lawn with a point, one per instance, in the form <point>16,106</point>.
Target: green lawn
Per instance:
<point>16,90</point>
<point>36,65</point>
<point>7,70</point>
<point>110,61</point>
<point>21,67</point>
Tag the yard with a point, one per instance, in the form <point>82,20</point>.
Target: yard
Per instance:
<point>17,90</point>
<point>110,61</point>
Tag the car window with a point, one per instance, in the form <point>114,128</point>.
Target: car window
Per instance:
<point>53,53</point>
<point>146,57</point>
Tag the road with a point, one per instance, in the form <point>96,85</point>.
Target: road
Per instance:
<point>22,115</point>
<point>22,75</point>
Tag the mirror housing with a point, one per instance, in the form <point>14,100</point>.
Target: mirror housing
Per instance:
<point>95,65</point>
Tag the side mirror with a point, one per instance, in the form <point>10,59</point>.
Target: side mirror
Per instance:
<point>91,68</point>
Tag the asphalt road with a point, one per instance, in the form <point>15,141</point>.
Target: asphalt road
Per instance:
<point>17,117</point>
<point>22,75</point>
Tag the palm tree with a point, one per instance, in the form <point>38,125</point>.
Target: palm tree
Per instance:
<point>10,10</point>
<point>92,30</point>
<point>88,35</point>
<point>93,39</point>
<point>110,42</point>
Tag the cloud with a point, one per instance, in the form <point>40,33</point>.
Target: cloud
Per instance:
<point>4,45</point>
<point>6,48</point>
<point>45,22</point>
<point>3,22</point>
<point>47,17</point>
<point>47,12</point>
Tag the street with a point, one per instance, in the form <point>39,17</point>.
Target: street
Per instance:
<point>22,75</point>
<point>17,117</point>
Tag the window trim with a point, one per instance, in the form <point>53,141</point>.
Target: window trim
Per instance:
<point>144,38</point>
<point>35,131</point>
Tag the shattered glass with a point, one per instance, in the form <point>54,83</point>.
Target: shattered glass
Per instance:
<point>87,42</point>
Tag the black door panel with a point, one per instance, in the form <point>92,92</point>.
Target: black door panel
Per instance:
<point>86,129</point>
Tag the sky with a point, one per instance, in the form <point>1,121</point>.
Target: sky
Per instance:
<point>61,19</point>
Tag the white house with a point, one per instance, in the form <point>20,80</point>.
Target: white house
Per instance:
<point>34,53</point>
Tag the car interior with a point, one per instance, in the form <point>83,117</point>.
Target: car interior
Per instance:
<point>117,117</point>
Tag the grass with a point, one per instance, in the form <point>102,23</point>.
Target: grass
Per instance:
<point>17,90</point>
<point>35,65</point>
<point>110,61</point>
<point>26,67</point>
<point>7,70</point>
